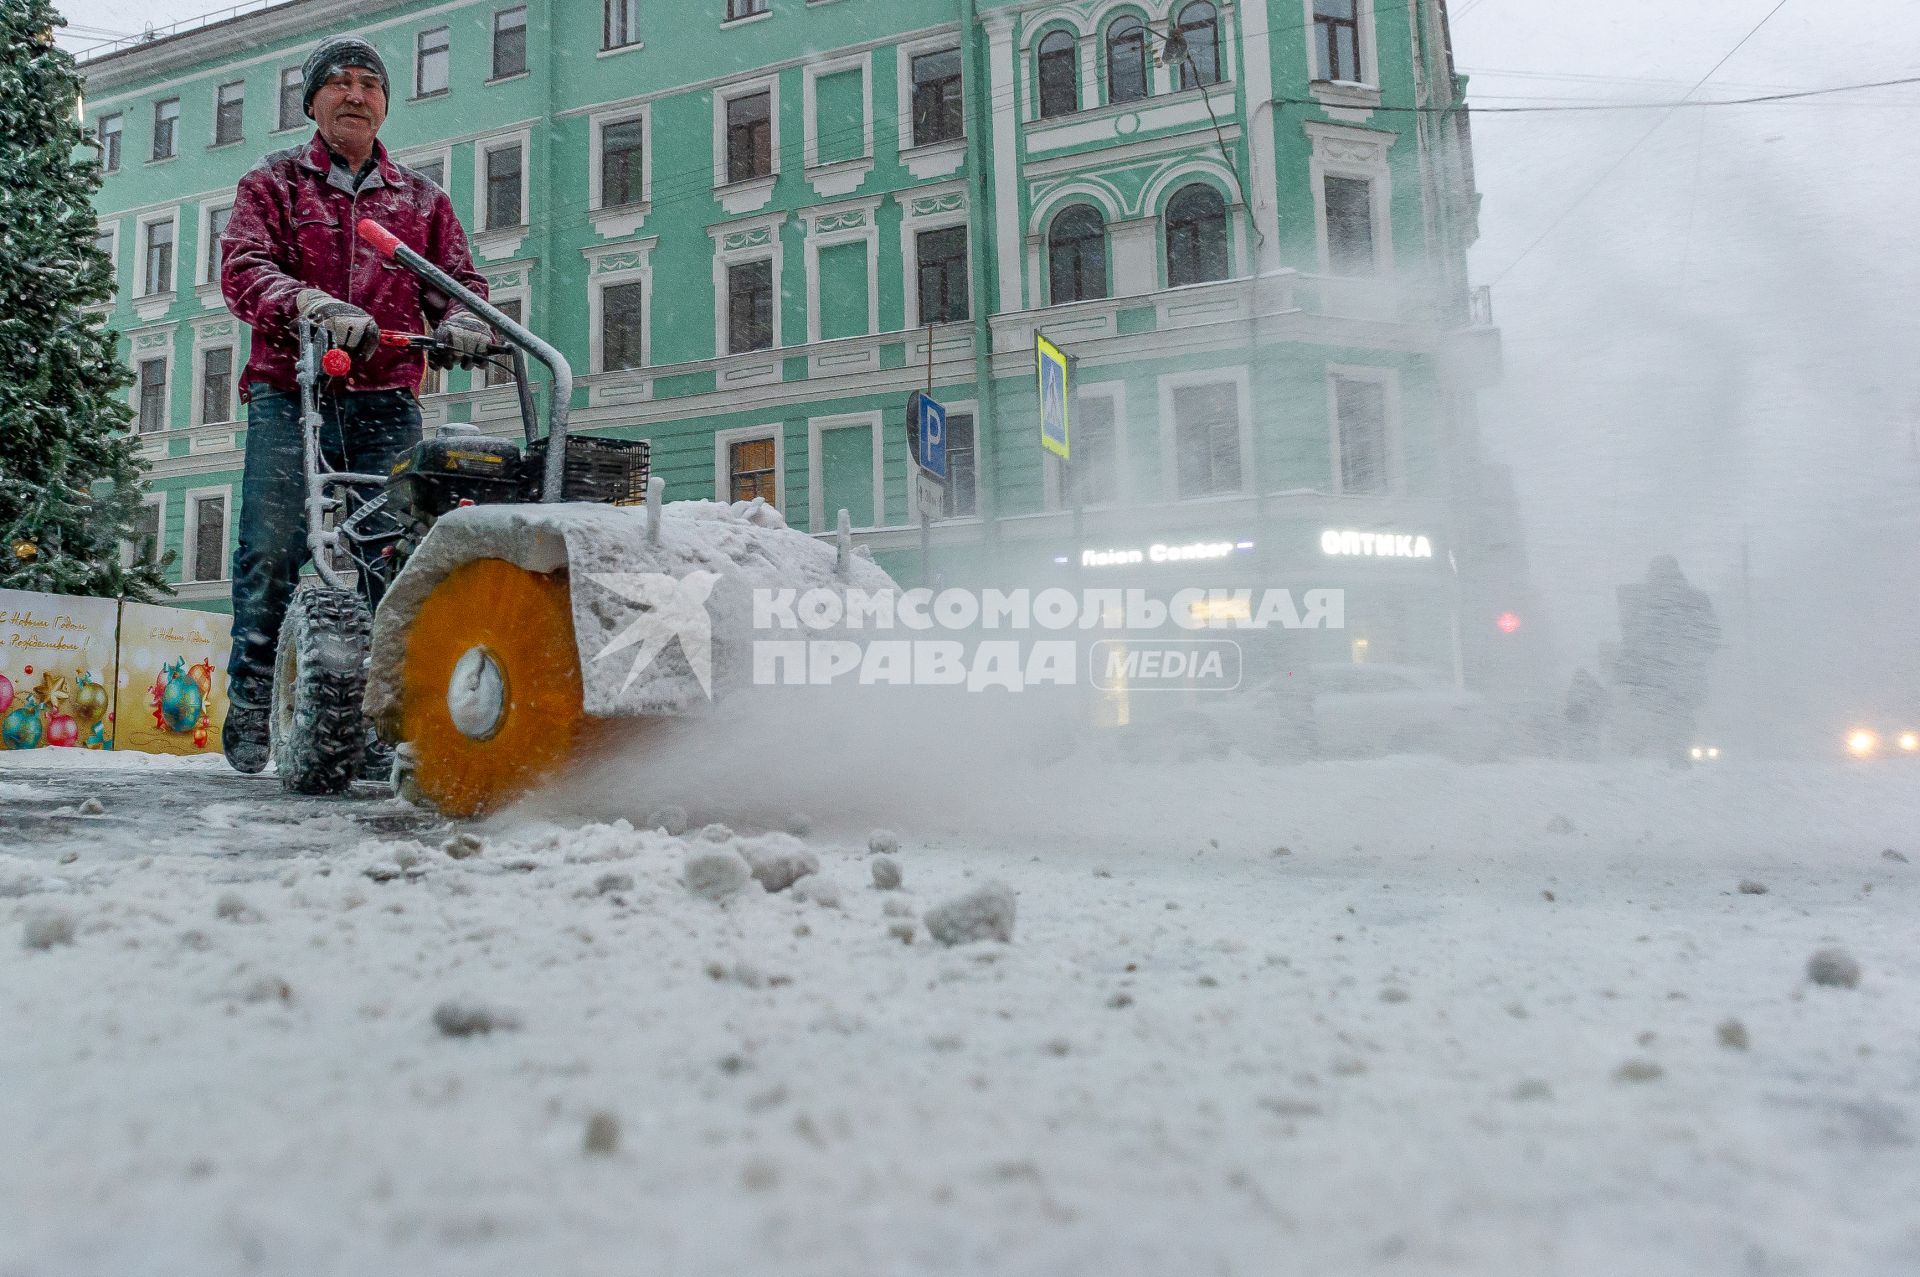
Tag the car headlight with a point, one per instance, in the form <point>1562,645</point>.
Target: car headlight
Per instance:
<point>1910,741</point>
<point>1862,743</point>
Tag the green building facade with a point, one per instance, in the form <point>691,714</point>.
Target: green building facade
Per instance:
<point>757,226</point>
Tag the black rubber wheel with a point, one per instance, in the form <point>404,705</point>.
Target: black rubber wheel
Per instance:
<point>319,732</point>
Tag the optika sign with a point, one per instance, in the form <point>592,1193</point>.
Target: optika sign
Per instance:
<point>1376,545</point>
<point>1198,552</point>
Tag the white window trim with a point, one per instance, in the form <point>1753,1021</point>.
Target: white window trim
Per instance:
<point>1056,488</point>
<point>128,549</point>
<point>818,514</point>
<point>169,214</point>
<point>204,238</point>
<point>722,472</point>
<point>911,227</point>
<point>523,138</point>
<point>861,62</point>
<point>903,82</point>
<point>768,84</point>
<point>111,226</point>
<point>724,258</point>
<point>867,233</point>
<point>493,40</point>
<point>420,35</point>
<point>1169,434</point>
<point>213,130</point>
<point>121,115</point>
<point>621,219</point>
<point>444,154</point>
<point>1369,80</point>
<point>1353,153</point>
<point>1085,64</point>
<point>599,277</point>
<point>604,50</point>
<point>477,378</point>
<point>969,408</point>
<point>1390,378</point>
<point>144,345</point>
<point>200,350</point>
<point>278,127</point>
<point>189,534</point>
<point>153,122</point>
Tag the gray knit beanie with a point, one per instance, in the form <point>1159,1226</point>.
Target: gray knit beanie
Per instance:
<point>331,56</point>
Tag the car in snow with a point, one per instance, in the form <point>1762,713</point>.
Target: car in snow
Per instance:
<point>1326,711</point>
<point>1866,740</point>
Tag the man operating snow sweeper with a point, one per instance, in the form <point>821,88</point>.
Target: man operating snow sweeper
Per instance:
<point>291,251</point>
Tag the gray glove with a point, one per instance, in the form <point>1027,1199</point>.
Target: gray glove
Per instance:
<point>469,338</point>
<point>351,328</point>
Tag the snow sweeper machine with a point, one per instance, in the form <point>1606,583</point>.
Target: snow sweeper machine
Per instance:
<point>539,594</point>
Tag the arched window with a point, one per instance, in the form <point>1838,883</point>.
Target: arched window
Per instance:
<point>1199,26</point>
<point>1077,255</point>
<point>1126,60</point>
<point>1059,75</point>
<point>1196,236</point>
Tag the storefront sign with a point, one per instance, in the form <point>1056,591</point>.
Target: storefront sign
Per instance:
<point>1376,545</point>
<point>1159,552</point>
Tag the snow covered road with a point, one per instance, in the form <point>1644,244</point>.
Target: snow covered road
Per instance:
<point>1403,1016</point>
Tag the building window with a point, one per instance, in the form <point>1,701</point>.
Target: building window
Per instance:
<point>1199,26</point>
<point>942,257</point>
<point>621,156</point>
<point>106,242</point>
<point>1077,256</point>
<point>499,369</point>
<point>1206,440</point>
<point>623,318</point>
<point>434,170</point>
<point>620,24</point>
<point>1059,75</point>
<point>166,124</point>
<point>749,137</point>
<point>744,8</point>
<point>216,385</point>
<point>1360,419</point>
<point>157,271</point>
<point>430,62</point>
<point>209,538</point>
<point>1093,476</point>
<point>1350,226</point>
<point>1336,39</point>
<point>961,497</point>
<point>937,113</point>
<point>144,546</point>
<point>216,255</point>
<point>1126,60</point>
<point>749,306</point>
<point>1196,237</point>
<point>153,395</point>
<point>293,87</point>
<point>229,113</point>
<point>751,471</point>
<point>503,186</point>
<point>509,42</point>
<point>111,128</point>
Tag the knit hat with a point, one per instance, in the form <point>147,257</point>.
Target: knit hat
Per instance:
<point>331,56</point>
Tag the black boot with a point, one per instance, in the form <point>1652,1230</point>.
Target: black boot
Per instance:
<point>377,763</point>
<point>245,738</point>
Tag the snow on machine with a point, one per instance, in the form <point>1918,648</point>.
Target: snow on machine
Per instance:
<point>537,596</point>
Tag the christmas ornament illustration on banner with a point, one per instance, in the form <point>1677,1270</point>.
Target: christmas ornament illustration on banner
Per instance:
<point>53,650</point>
<point>173,660</point>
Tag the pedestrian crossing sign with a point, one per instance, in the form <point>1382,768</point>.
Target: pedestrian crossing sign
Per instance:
<point>1056,394</point>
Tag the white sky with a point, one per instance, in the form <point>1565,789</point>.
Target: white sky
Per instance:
<point>1716,342</point>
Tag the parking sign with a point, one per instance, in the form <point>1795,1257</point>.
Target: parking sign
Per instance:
<point>931,415</point>
<point>1056,395</point>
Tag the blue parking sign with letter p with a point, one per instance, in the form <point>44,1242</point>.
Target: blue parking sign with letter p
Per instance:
<point>931,415</point>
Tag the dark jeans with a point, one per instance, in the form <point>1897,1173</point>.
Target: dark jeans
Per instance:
<point>359,432</point>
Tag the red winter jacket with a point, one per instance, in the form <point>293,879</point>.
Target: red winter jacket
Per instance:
<point>292,228</point>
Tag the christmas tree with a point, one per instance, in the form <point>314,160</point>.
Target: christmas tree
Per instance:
<point>69,469</point>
